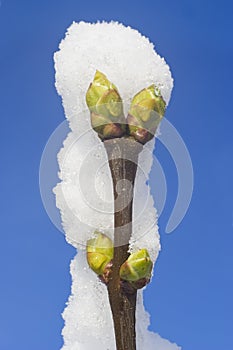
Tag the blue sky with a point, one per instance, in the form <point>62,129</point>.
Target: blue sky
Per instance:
<point>190,299</point>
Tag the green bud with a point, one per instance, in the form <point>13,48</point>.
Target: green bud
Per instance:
<point>99,252</point>
<point>137,267</point>
<point>105,105</point>
<point>146,111</point>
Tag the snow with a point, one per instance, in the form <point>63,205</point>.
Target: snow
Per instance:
<point>84,195</point>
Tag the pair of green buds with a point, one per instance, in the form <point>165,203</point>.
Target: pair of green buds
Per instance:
<point>107,117</point>
<point>136,269</point>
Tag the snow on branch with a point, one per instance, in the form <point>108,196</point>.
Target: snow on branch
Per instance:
<point>84,195</point>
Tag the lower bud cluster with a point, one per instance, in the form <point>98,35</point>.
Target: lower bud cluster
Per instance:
<point>135,272</point>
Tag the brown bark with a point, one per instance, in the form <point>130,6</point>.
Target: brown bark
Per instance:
<point>123,157</point>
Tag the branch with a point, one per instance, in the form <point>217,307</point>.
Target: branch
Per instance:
<point>123,157</point>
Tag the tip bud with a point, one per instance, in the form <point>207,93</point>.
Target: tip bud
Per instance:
<point>146,111</point>
<point>105,105</point>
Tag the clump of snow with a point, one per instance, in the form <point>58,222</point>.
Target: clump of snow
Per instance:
<point>84,195</point>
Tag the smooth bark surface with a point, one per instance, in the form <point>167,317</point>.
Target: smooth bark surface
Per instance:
<point>123,158</point>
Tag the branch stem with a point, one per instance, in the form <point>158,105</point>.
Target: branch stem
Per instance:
<point>123,158</point>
